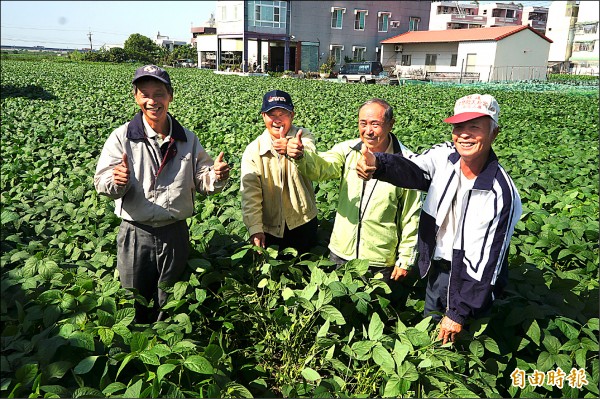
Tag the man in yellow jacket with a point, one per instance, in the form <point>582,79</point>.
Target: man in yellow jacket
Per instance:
<point>278,203</point>
<point>375,220</point>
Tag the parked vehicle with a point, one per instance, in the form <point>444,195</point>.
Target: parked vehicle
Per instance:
<point>364,72</point>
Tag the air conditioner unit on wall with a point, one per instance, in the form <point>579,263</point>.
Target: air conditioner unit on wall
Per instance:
<point>398,48</point>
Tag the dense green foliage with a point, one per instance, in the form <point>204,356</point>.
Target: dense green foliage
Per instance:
<point>246,324</point>
<point>573,79</point>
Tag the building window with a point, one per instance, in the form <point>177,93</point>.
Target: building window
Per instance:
<point>453,59</point>
<point>337,15</point>
<point>358,53</point>
<point>359,19</point>
<point>269,14</point>
<point>583,46</point>
<point>406,60</point>
<point>383,21</point>
<point>223,13</point>
<point>510,13</point>
<point>335,51</point>
<point>413,23</point>
<point>430,59</point>
<point>586,28</point>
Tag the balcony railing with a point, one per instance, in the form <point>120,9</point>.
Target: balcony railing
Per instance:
<point>503,21</point>
<point>468,18</point>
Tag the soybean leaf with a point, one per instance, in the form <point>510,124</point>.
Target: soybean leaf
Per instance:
<point>198,364</point>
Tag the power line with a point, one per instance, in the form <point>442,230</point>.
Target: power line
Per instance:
<point>62,30</point>
<point>45,41</point>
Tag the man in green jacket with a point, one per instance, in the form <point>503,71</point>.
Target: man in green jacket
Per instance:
<point>375,220</point>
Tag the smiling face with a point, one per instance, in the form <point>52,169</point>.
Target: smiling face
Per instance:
<point>473,140</point>
<point>153,97</point>
<point>278,120</point>
<point>373,127</point>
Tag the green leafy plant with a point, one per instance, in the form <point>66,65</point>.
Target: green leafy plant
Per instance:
<point>245,322</point>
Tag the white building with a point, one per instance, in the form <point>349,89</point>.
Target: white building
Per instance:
<point>454,15</point>
<point>562,16</point>
<point>584,57</point>
<point>164,41</point>
<point>573,28</point>
<point>461,15</point>
<point>507,53</point>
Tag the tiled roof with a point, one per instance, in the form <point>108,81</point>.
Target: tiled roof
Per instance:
<point>459,35</point>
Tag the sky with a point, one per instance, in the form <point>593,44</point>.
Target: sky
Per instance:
<point>67,24</point>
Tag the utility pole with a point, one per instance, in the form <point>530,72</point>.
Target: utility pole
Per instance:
<point>90,38</point>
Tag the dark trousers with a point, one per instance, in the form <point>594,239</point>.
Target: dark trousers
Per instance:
<point>147,256</point>
<point>302,238</point>
<point>436,293</point>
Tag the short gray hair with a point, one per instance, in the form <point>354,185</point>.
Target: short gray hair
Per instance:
<point>389,111</point>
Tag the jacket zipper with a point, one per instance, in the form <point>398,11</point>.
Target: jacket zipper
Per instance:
<point>361,213</point>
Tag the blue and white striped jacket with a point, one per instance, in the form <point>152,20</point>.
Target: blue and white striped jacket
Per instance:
<point>491,209</point>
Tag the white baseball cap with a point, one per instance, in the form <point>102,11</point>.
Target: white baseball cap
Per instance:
<point>474,106</point>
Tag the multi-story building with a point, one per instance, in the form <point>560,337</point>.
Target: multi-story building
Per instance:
<point>501,14</point>
<point>453,15</point>
<point>536,17</point>
<point>584,57</point>
<point>459,15</point>
<point>562,16</point>
<point>301,35</point>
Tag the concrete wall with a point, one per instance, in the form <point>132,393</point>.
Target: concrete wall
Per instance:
<point>229,17</point>
<point>558,30</point>
<point>522,56</point>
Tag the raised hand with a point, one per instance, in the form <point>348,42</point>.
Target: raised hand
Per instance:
<point>280,144</point>
<point>367,164</point>
<point>121,172</point>
<point>221,168</point>
<point>295,148</point>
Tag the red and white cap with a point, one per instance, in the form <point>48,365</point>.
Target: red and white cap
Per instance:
<point>474,106</point>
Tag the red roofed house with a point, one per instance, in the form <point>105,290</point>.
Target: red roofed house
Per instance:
<point>504,53</point>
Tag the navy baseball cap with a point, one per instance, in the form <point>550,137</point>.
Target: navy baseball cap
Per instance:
<point>152,71</point>
<point>277,99</point>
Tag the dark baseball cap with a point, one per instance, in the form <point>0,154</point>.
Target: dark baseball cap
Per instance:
<point>277,99</point>
<point>152,71</point>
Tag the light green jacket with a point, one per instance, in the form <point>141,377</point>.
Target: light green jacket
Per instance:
<point>387,233</point>
<point>274,193</point>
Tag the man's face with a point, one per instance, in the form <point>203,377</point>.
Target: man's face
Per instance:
<point>153,97</point>
<point>374,131</point>
<point>278,120</point>
<point>473,139</point>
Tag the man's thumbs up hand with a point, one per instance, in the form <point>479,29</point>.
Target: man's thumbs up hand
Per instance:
<point>295,148</point>
<point>221,168</point>
<point>281,143</point>
<point>121,172</point>
<point>367,163</point>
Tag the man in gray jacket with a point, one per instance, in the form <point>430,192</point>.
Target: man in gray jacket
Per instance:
<point>152,167</point>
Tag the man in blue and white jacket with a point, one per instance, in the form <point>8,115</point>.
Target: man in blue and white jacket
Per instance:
<point>469,215</point>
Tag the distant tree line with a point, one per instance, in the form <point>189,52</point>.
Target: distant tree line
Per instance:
<point>138,48</point>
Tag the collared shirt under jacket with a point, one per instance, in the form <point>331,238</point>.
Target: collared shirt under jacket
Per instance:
<point>163,180</point>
